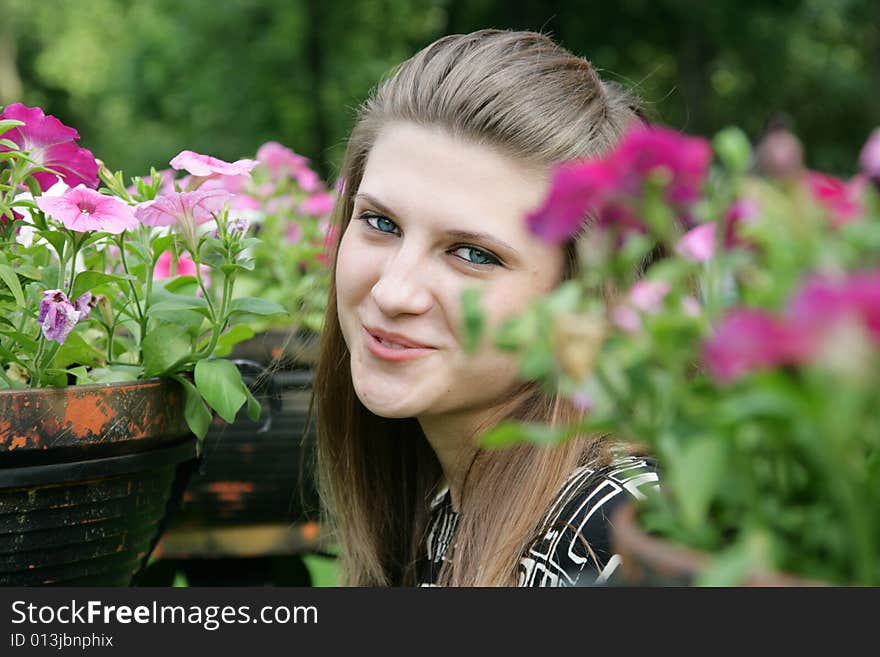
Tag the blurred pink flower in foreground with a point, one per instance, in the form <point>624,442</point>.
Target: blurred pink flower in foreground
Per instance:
<point>747,340</point>
<point>869,159</point>
<point>698,244</point>
<point>205,166</point>
<point>50,144</point>
<point>841,199</point>
<point>83,209</point>
<point>605,187</point>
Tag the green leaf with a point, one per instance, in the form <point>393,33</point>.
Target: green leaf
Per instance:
<point>9,124</point>
<point>116,373</point>
<point>238,333</point>
<point>733,149</point>
<point>55,238</point>
<point>512,433</point>
<point>255,306</point>
<point>11,279</point>
<point>220,383</point>
<point>163,347</point>
<point>695,474</point>
<point>82,375</point>
<point>86,280</point>
<point>76,350</point>
<point>473,319</point>
<point>196,412</point>
<point>253,406</point>
<point>174,303</point>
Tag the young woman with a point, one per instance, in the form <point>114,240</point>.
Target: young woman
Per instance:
<point>447,157</point>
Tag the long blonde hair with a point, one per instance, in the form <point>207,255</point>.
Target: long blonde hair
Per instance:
<point>525,95</point>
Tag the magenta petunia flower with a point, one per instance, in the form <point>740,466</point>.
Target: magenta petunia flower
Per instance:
<point>646,150</point>
<point>207,166</point>
<point>196,207</point>
<point>57,316</point>
<point>318,205</point>
<point>869,159</point>
<point>50,144</point>
<point>83,209</point>
<point>577,190</point>
<point>842,200</point>
<point>280,160</point>
<point>748,340</point>
<point>606,187</point>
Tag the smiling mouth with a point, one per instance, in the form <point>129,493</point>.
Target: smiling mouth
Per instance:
<point>392,345</point>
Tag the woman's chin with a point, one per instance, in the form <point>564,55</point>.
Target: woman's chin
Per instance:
<point>384,407</point>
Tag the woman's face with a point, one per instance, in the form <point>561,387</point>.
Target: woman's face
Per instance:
<point>404,261</point>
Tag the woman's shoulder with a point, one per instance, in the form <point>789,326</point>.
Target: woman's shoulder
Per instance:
<point>574,548</point>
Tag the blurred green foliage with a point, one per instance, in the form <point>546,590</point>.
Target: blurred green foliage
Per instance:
<point>143,80</point>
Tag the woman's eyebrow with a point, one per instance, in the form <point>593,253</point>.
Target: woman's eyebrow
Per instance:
<point>465,235</point>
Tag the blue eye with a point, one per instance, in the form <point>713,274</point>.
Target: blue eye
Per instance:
<point>381,222</point>
<point>480,257</point>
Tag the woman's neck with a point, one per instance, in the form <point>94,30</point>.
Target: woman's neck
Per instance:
<point>452,442</point>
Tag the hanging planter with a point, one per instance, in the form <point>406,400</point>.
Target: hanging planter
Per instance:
<point>88,477</point>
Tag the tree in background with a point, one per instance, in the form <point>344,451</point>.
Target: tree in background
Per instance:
<point>143,78</point>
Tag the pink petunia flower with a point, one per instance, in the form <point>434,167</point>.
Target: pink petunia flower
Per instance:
<point>698,244</point>
<point>166,267</point>
<point>50,144</point>
<point>57,316</point>
<point>318,205</point>
<point>647,296</point>
<point>196,207</point>
<point>206,166</point>
<point>82,209</point>
<point>294,233</point>
<point>841,199</point>
<point>280,160</point>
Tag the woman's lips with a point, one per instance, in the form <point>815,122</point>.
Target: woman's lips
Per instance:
<point>393,354</point>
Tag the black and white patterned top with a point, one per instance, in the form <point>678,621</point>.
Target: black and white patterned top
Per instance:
<point>575,549</point>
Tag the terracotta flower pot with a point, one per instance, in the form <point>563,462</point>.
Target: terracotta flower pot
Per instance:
<point>648,560</point>
<point>88,477</point>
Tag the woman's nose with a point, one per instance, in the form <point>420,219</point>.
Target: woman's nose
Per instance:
<point>403,287</point>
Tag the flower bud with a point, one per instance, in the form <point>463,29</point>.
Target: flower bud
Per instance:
<point>102,303</point>
<point>577,340</point>
<point>780,155</point>
<point>869,160</point>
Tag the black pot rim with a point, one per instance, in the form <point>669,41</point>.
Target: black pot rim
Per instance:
<point>87,387</point>
<point>38,475</point>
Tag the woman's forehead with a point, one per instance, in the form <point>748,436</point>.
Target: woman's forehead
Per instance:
<point>426,174</point>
